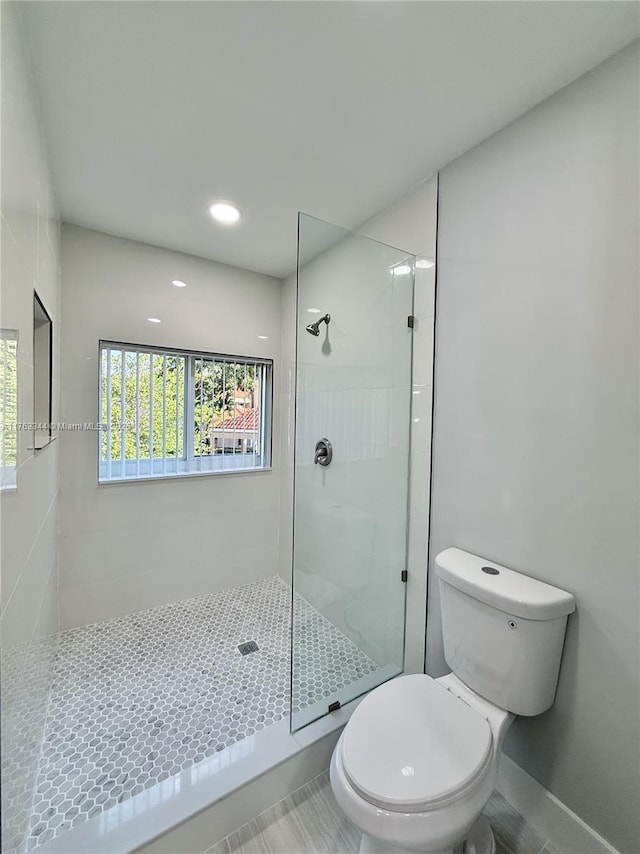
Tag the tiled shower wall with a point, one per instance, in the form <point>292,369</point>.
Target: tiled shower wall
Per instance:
<point>409,223</point>
<point>354,388</point>
<point>129,546</point>
<point>29,600</point>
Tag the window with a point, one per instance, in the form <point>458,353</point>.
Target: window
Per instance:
<point>42,373</point>
<point>169,412</point>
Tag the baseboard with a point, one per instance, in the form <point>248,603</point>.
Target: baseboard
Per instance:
<point>546,814</point>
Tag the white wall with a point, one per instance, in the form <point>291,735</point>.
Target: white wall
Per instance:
<point>130,546</point>
<point>29,515</point>
<point>411,224</point>
<point>536,419</point>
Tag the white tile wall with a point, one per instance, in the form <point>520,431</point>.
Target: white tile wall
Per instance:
<point>363,381</point>
<point>126,547</point>
<point>287,432</point>
<point>30,259</point>
<point>350,533</point>
<point>30,240</point>
<point>411,223</point>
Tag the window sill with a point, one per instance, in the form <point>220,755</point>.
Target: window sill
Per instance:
<point>147,478</point>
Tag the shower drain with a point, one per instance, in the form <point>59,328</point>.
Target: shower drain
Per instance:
<point>249,646</point>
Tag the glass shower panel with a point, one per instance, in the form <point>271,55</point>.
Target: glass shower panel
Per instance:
<point>353,412</point>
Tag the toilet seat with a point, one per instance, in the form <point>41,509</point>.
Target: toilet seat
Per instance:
<point>413,746</point>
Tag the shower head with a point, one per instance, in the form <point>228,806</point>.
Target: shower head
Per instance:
<point>314,328</point>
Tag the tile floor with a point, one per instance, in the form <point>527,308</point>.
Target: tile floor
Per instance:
<point>26,683</point>
<point>310,822</point>
<point>137,699</point>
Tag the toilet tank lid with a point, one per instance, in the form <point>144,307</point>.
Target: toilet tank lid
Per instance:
<point>502,588</point>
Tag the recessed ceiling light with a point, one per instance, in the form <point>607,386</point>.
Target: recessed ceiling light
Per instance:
<point>154,320</point>
<point>226,213</point>
<point>424,264</point>
<point>264,337</point>
<point>178,284</point>
<point>314,310</point>
<point>401,270</point>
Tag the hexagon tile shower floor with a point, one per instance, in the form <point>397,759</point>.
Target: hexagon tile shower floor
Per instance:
<point>137,699</point>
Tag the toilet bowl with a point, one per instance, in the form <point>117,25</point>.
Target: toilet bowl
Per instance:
<point>416,765</point>
<point>418,759</point>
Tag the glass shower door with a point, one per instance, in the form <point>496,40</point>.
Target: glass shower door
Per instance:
<point>353,412</point>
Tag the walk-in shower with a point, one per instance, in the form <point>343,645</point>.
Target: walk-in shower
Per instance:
<point>106,722</point>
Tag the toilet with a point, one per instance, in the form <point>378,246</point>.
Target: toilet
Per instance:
<point>418,759</point>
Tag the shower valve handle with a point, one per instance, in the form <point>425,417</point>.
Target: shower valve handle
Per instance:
<point>323,453</point>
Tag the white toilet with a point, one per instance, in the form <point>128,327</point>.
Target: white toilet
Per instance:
<point>417,761</point>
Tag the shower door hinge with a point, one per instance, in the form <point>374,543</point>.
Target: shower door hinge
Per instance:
<point>404,575</point>
<point>334,706</point>
<point>411,321</point>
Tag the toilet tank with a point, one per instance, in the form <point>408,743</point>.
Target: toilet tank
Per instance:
<point>503,631</point>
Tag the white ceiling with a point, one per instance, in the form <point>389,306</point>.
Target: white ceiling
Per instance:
<point>154,109</point>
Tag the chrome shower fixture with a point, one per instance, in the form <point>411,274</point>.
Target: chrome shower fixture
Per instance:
<point>314,328</point>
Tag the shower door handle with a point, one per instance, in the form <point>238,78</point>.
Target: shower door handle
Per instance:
<point>324,452</point>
